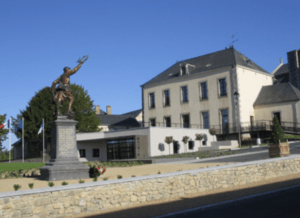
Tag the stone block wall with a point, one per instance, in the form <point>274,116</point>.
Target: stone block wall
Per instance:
<point>99,196</point>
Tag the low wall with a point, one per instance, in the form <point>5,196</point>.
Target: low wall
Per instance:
<point>98,196</point>
<point>225,144</point>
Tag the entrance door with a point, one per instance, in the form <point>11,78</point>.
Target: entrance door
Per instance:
<point>175,147</point>
<point>225,126</point>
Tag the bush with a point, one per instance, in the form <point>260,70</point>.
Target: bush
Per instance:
<point>94,172</point>
<point>30,185</point>
<point>81,181</point>
<point>64,183</point>
<point>120,177</point>
<point>16,187</point>
<point>50,184</point>
<point>277,132</point>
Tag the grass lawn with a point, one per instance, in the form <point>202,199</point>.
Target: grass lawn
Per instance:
<point>19,166</point>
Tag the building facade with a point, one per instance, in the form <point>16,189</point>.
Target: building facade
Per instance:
<point>199,92</point>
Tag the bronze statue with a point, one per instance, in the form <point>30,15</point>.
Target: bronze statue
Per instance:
<point>63,90</point>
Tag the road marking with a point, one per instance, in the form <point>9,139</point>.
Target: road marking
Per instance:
<point>228,202</point>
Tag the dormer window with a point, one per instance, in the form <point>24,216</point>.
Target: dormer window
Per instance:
<point>182,70</point>
<point>186,68</point>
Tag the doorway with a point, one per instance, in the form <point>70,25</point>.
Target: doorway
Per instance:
<point>175,147</point>
<point>277,114</point>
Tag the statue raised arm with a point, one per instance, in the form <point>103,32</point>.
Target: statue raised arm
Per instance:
<point>63,90</point>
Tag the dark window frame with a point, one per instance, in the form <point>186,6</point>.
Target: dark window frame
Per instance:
<point>184,94</point>
<point>191,145</point>
<point>205,124</point>
<point>222,87</point>
<point>166,98</point>
<point>165,122</point>
<point>152,100</point>
<point>95,152</point>
<point>204,91</point>
<point>151,120</point>
<point>82,153</point>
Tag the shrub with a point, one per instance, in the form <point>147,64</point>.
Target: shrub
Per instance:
<point>199,137</point>
<point>50,184</point>
<point>95,179</point>
<point>158,172</point>
<point>105,178</point>
<point>277,132</point>
<point>81,181</point>
<point>30,185</point>
<point>16,187</point>
<point>133,176</point>
<point>212,131</point>
<point>64,183</point>
<point>120,177</point>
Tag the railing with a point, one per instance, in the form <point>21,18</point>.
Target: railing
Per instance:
<point>245,127</point>
<point>176,125</point>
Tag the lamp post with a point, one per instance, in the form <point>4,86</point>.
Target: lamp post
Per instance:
<point>237,95</point>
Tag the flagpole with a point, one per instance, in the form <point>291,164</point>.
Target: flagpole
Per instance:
<point>43,142</point>
<point>23,138</point>
<point>9,138</point>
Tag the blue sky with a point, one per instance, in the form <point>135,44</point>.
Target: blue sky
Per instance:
<point>130,42</point>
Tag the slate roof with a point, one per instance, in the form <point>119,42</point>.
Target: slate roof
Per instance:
<point>219,59</point>
<point>283,69</point>
<point>278,93</point>
<point>134,113</point>
<point>117,120</point>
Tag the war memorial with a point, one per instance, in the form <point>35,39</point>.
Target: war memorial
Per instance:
<point>64,163</point>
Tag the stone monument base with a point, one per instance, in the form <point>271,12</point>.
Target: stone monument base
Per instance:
<point>56,170</point>
<point>64,163</point>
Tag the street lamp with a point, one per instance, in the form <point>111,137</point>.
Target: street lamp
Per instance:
<point>237,95</point>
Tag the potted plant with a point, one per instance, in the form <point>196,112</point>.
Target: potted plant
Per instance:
<point>213,132</point>
<point>199,137</point>
<point>185,140</point>
<point>169,140</point>
<point>277,145</point>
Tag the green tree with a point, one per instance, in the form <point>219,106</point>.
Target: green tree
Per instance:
<point>41,106</point>
<point>84,110</point>
<point>277,132</point>
<point>3,131</point>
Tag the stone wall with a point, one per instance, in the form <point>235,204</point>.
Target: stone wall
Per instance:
<point>98,196</point>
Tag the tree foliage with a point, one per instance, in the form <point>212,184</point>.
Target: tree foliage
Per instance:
<point>277,132</point>
<point>41,106</point>
<point>3,131</point>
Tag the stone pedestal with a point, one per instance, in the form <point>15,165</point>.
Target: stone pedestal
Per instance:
<point>64,163</point>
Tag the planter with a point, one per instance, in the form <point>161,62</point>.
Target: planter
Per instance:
<point>282,150</point>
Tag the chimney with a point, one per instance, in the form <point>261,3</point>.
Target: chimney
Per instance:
<point>97,109</point>
<point>108,110</point>
<point>281,61</point>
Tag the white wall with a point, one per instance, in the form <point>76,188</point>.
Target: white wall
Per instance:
<point>158,135</point>
<point>249,86</point>
<point>89,146</point>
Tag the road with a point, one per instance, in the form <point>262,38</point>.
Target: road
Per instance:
<point>279,203</point>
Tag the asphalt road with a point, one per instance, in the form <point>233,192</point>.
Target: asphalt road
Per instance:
<point>279,203</point>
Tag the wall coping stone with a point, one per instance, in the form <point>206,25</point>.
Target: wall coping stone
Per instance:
<point>132,179</point>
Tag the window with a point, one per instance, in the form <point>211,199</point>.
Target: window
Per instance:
<point>152,122</point>
<point>121,149</point>
<point>151,100</point>
<point>184,94</point>
<point>225,125</point>
<point>204,143</point>
<point>191,145</point>
<point>203,91</point>
<point>96,152</point>
<point>183,70</point>
<point>82,152</point>
<point>222,87</point>
<point>166,98</point>
<point>205,120</point>
<point>167,121</point>
<point>186,121</point>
